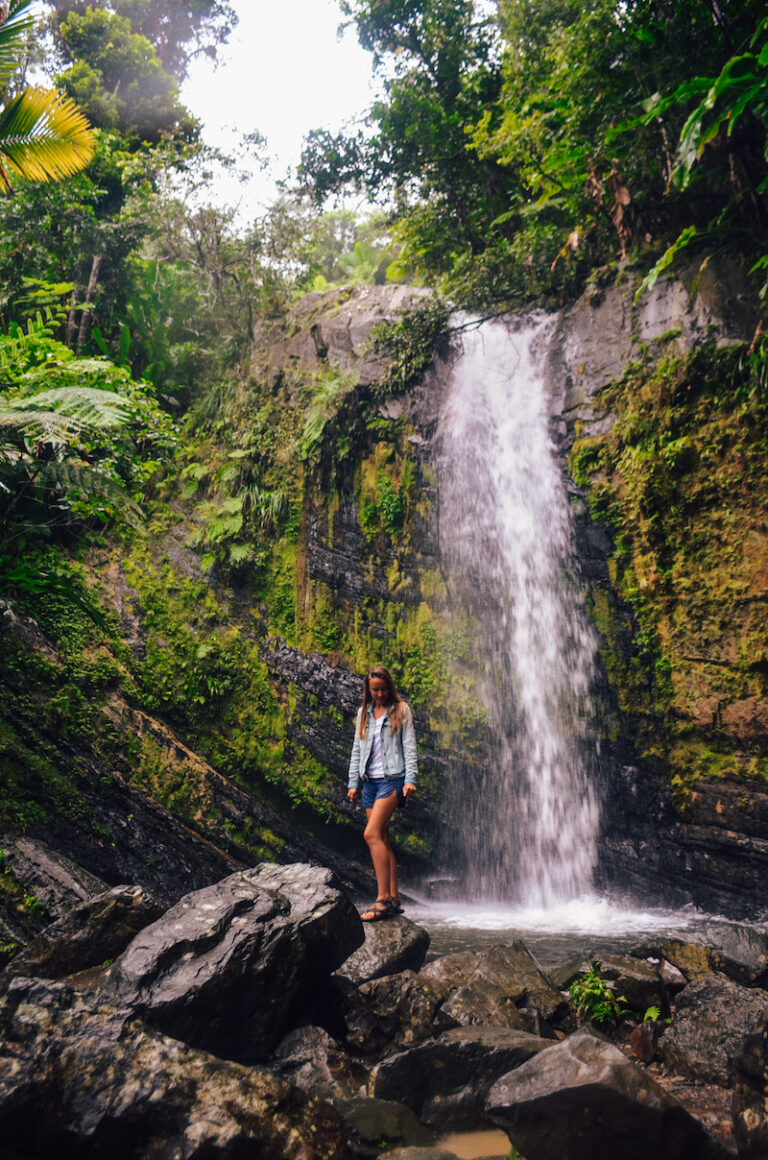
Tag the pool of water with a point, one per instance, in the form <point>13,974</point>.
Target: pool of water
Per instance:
<point>581,928</point>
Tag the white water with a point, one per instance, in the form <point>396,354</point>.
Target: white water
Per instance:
<point>526,833</point>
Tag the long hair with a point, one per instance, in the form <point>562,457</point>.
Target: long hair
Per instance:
<point>396,706</point>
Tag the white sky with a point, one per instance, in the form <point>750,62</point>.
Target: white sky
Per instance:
<point>282,73</point>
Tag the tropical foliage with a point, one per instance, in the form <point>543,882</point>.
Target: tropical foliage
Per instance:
<point>44,136</point>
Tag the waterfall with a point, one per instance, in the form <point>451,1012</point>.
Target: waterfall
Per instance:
<point>526,831</point>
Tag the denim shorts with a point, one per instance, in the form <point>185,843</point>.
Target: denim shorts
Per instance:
<point>382,787</point>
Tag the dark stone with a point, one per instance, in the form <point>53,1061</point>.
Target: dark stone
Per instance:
<point>644,1040</point>
<point>446,1081</point>
<point>711,1020</point>
<point>500,977</point>
<point>224,969</point>
<point>391,946</point>
<point>733,949</point>
<point>310,1059</point>
<point>97,929</point>
<point>389,1013</point>
<point>372,1125</point>
<point>83,1079</point>
<point>482,1003</point>
<point>750,1096</point>
<point>582,1099</point>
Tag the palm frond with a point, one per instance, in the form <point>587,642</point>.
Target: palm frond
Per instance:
<point>13,37</point>
<point>44,136</point>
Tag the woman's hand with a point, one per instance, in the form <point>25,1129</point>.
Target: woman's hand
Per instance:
<point>352,794</point>
<point>408,789</point>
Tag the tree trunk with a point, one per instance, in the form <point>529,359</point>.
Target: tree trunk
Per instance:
<point>86,316</point>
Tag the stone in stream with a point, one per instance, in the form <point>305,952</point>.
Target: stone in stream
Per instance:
<point>711,1020</point>
<point>227,966</point>
<point>95,930</point>
<point>446,1081</point>
<point>750,1096</point>
<point>392,946</point>
<point>582,1099</point>
<point>733,949</point>
<point>81,1076</point>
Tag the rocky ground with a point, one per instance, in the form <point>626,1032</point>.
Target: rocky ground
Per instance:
<point>257,1017</point>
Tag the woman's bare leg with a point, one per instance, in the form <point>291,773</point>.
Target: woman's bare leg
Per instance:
<point>376,835</point>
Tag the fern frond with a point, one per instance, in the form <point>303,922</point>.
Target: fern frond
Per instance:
<point>44,136</point>
<point>55,415</point>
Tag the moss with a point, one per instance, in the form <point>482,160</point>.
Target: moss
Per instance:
<point>680,482</point>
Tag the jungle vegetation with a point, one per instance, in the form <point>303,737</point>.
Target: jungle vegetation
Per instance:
<point>515,151</point>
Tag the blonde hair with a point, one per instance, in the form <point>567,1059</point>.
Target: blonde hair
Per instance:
<point>397,709</point>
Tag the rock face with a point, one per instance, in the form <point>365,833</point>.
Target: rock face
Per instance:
<point>223,968</point>
<point>582,1099</point>
<point>713,1017</point>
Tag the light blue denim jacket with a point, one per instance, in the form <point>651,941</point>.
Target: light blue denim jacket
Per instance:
<point>398,750</point>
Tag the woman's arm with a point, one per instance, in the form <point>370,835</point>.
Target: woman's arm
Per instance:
<point>409,748</point>
<point>353,779</point>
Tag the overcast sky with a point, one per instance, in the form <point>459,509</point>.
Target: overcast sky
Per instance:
<point>283,72</point>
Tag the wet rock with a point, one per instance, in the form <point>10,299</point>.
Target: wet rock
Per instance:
<point>93,931</point>
<point>446,1081</point>
<point>750,1096</point>
<point>480,1002</point>
<point>372,1125</point>
<point>636,980</point>
<point>224,968</point>
<point>511,971</point>
<point>736,950</point>
<point>711,1020</point>
<point>392,946</point>
<point>390,1013</point>
<point>582,1099</point>
<point>310,1059</point>
<point>83,1077</point>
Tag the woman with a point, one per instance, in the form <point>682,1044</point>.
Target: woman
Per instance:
<point>384,759</point>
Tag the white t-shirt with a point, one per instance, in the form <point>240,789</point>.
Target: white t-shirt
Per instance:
<point>375,762</point>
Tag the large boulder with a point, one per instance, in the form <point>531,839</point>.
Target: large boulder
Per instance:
<point>227,966</point>
<point>446,1081</point>
<point>312,1060</point>
<point>582,1099</point>
<point>712,1018</point>
<point>499,978</point>
<point>80,1076</point>
<point>750,1096</point>
<point>389,947</point>
<point>93,931</point>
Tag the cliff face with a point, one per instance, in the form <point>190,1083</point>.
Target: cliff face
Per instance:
<point>299,543</point>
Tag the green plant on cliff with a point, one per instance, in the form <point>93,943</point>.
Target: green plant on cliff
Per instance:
<point>409,345</point>
<point>680,481</point>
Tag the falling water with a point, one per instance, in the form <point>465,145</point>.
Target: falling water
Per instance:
<point>526,833</point>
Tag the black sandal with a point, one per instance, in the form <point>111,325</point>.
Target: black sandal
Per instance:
<point>396,905</point>
<point>379,910</point>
